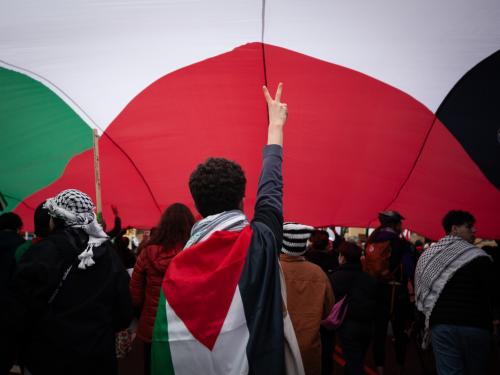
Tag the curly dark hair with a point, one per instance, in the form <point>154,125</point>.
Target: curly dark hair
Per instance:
<point>457,217</point>
<point>217,185</point>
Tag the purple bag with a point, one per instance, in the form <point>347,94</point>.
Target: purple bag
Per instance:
<point>336,317</point>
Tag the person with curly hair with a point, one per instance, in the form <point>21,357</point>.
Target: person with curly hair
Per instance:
<point>218,185</point>
<point>222,308</point>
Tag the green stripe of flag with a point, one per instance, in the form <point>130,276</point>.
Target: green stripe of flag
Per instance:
<point>161,358</point>
<point>40,134</point>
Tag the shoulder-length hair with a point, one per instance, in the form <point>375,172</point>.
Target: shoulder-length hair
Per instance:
<point>174,227</point>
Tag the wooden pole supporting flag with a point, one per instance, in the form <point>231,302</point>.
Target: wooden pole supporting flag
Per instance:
<point>97,174</point>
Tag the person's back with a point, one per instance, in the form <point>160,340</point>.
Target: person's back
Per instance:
<point>90,307</point>
<point>390,260</point>
<point>401,264</point>
<point>360,291</point>
<point>400,267</point>
<point>318,253</point>
<point>350,279</point>
<point>323,258</point>
<point>146,282</point>
<point>465,300</point>
<point>167,241</point>
<point>309,294</point>
<point>220,309</point>
<point>71,296</point>
<point>121,246</point>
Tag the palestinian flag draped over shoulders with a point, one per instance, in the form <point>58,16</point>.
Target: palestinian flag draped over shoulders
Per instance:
<point>218,312</point>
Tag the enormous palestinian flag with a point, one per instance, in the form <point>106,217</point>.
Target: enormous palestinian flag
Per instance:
<point>216,314</point>
<point>391,105</point>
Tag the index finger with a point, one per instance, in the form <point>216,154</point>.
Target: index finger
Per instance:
<point>278,92</point>
<point>266,94</point>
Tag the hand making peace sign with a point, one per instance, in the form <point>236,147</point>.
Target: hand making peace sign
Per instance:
<point>278,111</point>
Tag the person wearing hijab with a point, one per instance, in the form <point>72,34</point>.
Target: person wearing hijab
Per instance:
<point>71,294</point>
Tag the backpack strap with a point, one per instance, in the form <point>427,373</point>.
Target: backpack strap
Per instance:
<point>65,274</point>
<point>59,286</point>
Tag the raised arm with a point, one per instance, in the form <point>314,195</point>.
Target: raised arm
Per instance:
<point>278,113</point>
<point>269,204</point>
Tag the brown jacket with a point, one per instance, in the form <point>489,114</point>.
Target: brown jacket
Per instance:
<point>309,300</point>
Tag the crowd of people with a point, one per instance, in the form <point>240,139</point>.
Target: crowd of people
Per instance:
<point>265,291</point>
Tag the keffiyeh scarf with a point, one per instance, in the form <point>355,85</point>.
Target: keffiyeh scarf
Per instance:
<point>76,209</point>
<point>233,221</point>
<point>436,267</point>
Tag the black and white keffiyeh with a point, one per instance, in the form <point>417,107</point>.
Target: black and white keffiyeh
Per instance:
<point>435,268</point>
<point>234,221</point>
<point>76,209</point>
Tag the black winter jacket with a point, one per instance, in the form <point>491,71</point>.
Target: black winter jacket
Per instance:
<point>361,289</point>
<point>469,298</point>
<point>76,333</point>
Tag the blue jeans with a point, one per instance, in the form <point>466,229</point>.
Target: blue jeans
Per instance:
<point>461,350</point>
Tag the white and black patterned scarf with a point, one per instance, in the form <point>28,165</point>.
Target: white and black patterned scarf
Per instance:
<point>234,221</point>
<point>76,209</point>
<point>435,268</point>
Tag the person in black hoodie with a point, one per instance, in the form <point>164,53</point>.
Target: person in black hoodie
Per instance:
<point>70,295</point>
<point>360,288</point>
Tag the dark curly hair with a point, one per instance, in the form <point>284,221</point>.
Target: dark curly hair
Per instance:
<point>217,185</point>
<point>457,217</point>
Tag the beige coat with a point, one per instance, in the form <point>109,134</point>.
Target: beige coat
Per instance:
<point>309,300</point>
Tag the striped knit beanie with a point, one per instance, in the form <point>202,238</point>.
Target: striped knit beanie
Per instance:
<point>295,238</point>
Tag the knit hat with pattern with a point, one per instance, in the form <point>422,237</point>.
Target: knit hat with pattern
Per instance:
<point>295,238</point>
